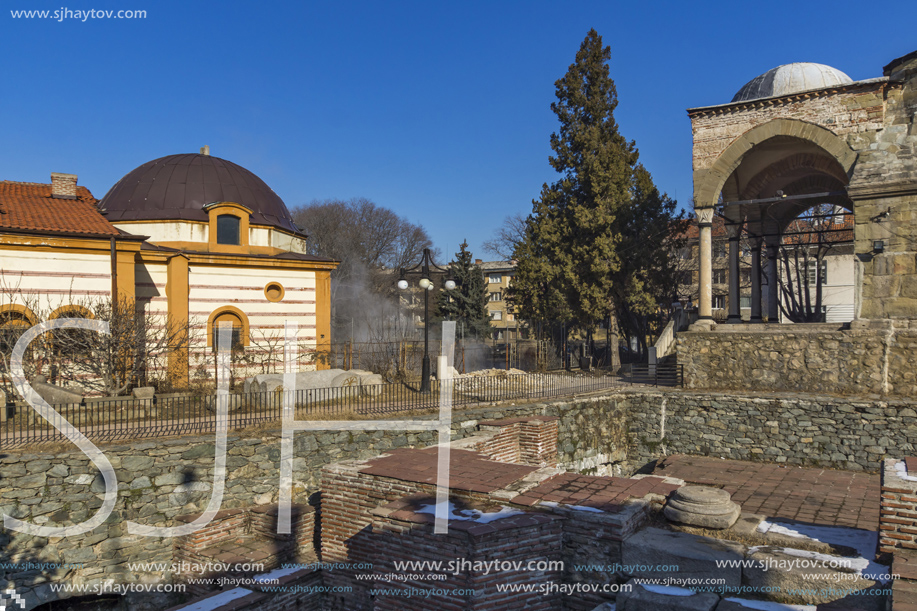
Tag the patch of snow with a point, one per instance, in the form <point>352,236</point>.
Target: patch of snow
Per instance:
<point>763,605</point>
<point>208,604</point>
<point>473,514</point>
<point>667,590</point>
<point>576,507</point>
<point>275,574</point>
<point>901,471</point>
<point>863,541</point>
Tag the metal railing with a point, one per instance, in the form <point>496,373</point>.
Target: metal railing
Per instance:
<point>656,375</point>
<point>126,418</point>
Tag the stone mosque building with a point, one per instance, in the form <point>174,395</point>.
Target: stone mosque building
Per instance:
<point>194,238</point>
<point>793,137</point>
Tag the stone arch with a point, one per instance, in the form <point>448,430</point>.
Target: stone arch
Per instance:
<point>709,182</point>
<point>816,164</point>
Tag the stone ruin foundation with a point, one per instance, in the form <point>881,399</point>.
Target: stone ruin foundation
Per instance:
<point>509,502</point>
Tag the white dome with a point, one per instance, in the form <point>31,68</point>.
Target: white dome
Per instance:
<point>791,78</point>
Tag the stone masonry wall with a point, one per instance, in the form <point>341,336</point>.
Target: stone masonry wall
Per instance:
<point>159,480</point>
<point>809,430</point>
<point>163,479</point>
<point>852,112</point>
<point>871,358</point>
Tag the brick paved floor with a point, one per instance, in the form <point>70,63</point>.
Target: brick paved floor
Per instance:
<point>812,495</point>
<point>467,470</point>
<point>604,493</point>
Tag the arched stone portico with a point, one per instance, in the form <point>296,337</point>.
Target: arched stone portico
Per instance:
<point>761,182</point>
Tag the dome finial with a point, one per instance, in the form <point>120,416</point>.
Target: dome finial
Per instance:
<point>205,150</point>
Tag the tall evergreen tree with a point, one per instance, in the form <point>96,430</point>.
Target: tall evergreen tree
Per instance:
<point>591,242</point>
<point>467,302</point>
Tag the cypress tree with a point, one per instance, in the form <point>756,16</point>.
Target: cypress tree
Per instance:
<point>591,231</point>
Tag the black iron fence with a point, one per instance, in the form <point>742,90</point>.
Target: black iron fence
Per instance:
<point>655,375</point>
<point>125,418</point>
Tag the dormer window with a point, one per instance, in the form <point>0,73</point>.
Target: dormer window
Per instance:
<point>228,229</point>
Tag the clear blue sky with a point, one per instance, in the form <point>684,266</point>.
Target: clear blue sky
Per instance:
<point>439,111</point>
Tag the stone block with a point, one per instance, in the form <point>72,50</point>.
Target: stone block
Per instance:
<point>55,395</point>
<point>736,604</point>
<point>901,308</point>
<point>668,598</point>
<point>143,392</point>
<point>801,578</point>
<point>695,556</point>
<point>371,385</point>
<point>702,506</point>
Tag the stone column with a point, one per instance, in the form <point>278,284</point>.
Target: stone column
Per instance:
<point>756,281</point>
<point>735,313</point>
<point>773,291</point>
<point>705,225</point>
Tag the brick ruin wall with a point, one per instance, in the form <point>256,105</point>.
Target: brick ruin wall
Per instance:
<point>256,522</point>
<point>159,480</point>
<point>612,434</point>
<point>522,539</point>
<point>367,528</point>
<point>898,508</point>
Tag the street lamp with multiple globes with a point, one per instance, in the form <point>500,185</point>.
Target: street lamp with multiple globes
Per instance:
<point>423,268</point>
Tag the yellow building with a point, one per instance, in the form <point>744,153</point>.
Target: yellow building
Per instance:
<point>194,237</point>
<point>498,275</point>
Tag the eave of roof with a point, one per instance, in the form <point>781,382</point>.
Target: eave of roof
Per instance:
<point>730,106</point>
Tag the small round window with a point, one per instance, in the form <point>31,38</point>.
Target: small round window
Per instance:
<point>273,291</point>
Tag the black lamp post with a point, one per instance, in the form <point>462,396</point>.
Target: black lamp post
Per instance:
<point>427,285</point>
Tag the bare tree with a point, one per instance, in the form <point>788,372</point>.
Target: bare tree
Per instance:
<point>507,237</point>
<point>111,363</point>
<point>20,310</point>
<point>807,241</point>
<point>372,243</point>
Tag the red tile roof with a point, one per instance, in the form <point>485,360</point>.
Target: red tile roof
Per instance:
<point>693,231</point>
<point>29,206</point>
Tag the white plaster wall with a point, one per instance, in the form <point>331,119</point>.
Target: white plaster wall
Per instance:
<point>213,287</point>
<point>183,231</point>
<point>174,231</point>
<point>279,239</point>
<point>150,285</point>
<point>53,279</point>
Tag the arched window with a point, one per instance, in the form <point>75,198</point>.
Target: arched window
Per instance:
<point>228,229</point>
<point>14,321</point>
<point>73,344</point>
<point>239,322</point>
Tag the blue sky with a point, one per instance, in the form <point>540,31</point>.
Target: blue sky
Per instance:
<point>439,111</point>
